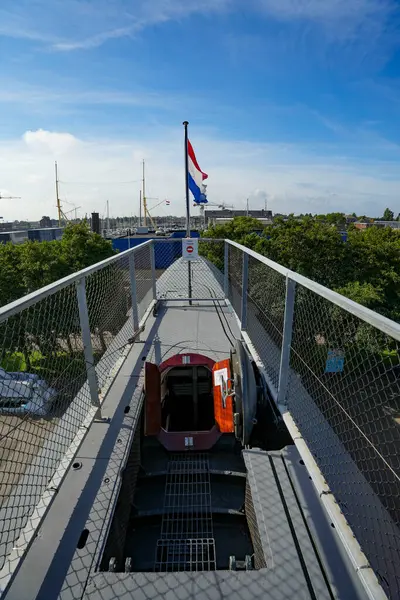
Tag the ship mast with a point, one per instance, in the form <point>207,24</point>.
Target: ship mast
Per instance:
<point>57,196</point>
<point>144,199</point>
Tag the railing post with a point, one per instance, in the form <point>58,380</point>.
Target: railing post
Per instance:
<point>153,270</point>
<point>245,277</point>
<point>87,344</point>
<point>287,340</point>
<point>132,276</point>
<point>226,269</point>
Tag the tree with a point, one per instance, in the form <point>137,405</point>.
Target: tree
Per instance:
<point>310,247</point>
<point>374,257</point>
<point>362,293</point>
<point>388,215</point>
<point>11,277</point>
<point>49,327</point>
<point>81,248</point>
<point>42,263</point>
<point>235,230</point>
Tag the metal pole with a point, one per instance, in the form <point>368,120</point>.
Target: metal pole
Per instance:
<point>132,275</point>
<point>153,270</point>
<point>57,196</point>
<point>144,199</point>
<point>140,208</point>
<point>287,340</point>
<point>87,344</point>
<point>226,269</point>
<point>245,278</point>
<point>190,282</point>
<point>185,125</point>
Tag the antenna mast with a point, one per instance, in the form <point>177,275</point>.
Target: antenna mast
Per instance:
<point>144,199</point>
<point>57,196</point>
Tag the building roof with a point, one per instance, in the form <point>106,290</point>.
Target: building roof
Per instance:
<point>227,213</point>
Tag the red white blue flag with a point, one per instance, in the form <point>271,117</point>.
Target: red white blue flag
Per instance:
<point>196,177</point>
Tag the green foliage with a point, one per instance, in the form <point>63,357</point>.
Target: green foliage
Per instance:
<point>32,265</point>
<point>388,215</point>
<point>309,247</point>
<point>366,268</point>
<point>82,248</point>
<point>41,264</point>
<point>237,229</point>
<point>374,258</point>
<point>11,276</point>
<point>363,293</point>
<point>334,219</point>
<point>42,338</point>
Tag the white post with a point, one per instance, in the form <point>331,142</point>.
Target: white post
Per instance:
<point>132,276</point>
<point>245,278</point>
<point>153,270</point>
<point>226,269</point>
<point>287,340</point>
<point>87,344</point>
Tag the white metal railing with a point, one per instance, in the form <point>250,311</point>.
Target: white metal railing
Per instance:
<point>330,365</point>
<point>67,337</point>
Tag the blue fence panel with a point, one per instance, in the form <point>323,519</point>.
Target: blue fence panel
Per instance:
<point>182,234</point>
<point>165,252</point>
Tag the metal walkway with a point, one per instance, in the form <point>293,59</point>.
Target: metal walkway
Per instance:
<point>187,542</point>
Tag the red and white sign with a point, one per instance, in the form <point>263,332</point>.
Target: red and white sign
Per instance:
<point>190,248</point>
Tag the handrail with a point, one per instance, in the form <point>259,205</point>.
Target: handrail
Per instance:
<point>382,323</point>
<point>16,306</point>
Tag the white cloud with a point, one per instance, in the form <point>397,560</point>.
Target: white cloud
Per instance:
<point>50,141</point>
<point>93,171</point>
<point>70,25</point>
<point>93,41</point>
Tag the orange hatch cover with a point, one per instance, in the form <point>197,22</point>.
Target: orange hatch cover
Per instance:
<point>223,405</point>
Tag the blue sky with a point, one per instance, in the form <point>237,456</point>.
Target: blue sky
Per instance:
<point>293,101</point>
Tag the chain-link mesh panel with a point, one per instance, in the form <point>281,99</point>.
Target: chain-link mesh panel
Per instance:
<point>259,556</point>
<point>109,302</point>
<point>235,273</point>
<point>266,290</point>
<point>143,275</point>
<point>44,399</point>
<point>208,273</point>
<point>201,278</point>
<point>115,545</point>
<point>344,394</point>
<point>167,259</point>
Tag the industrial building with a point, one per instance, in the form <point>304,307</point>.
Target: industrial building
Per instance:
<point>225,215</point>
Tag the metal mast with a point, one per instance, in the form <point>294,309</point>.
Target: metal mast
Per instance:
<point>57,196</point>
<point>144,199</point>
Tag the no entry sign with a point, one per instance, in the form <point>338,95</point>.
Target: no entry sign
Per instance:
<point>190,248</point>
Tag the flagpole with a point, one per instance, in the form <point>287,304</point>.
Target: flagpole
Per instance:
<point>185,124</point>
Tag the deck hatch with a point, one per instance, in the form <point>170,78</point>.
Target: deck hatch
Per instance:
<point>186,541</point>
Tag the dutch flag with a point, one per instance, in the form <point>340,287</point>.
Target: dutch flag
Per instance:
<point>196,177</point>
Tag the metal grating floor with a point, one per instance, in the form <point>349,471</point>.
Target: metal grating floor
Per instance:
<point>187,541</point>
